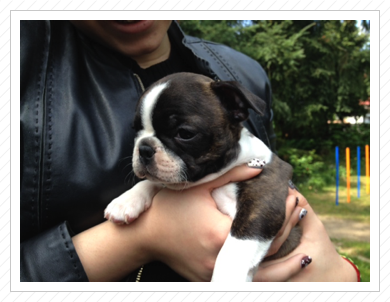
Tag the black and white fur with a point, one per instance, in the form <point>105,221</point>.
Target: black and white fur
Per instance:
<point>189,133</point>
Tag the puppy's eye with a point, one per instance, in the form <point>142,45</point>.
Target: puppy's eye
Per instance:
<point>185,134</point>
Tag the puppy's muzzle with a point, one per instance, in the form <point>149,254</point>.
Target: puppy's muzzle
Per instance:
<point>146,153</point>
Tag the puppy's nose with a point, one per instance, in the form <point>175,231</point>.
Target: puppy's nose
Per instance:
<point>146,153</point>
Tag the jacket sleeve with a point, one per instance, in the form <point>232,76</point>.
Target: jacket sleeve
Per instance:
<point>51,256</point>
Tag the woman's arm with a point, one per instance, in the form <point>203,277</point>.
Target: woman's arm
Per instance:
<point>109,252</point>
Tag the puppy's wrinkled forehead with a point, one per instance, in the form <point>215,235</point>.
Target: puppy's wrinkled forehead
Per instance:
<point>167,95</point>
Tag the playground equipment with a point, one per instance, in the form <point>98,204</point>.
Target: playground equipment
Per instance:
<point>348,172</point>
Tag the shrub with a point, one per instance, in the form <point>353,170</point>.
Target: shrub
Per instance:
<point>309,168</point>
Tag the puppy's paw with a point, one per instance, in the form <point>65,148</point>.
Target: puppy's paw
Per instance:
<point>127,207</point>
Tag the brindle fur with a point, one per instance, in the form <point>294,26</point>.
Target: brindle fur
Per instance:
<point>261,212</point>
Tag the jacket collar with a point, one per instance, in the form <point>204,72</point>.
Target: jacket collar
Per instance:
<point>202,65</point>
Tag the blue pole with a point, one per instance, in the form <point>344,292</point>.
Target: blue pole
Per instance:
<point>337,175</point>
<point>358,172</point>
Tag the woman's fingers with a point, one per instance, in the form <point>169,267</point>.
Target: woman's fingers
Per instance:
<point>298,214</point>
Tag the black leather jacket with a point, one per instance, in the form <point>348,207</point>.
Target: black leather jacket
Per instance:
<point>77,105</point>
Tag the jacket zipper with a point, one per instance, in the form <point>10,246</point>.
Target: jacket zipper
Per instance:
<point>139,82</point>
<point>138,279</point>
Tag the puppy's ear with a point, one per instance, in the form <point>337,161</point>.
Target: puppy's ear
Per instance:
<point>237,99</point>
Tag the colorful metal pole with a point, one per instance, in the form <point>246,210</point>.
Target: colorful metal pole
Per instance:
<point>367,169</point>
<point>348,175</point>
<point>337,175</point>
<point>358,172</point>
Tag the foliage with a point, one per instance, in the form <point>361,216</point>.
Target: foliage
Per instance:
<point>309,168</point>
<point>350,136</point>
<point>319,71</point>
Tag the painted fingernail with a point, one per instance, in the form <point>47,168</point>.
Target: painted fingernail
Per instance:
<point>305,261</point>
<point>296,201</point>
<point>292,186</point>
<point>302,213</point>
<point>256,163</point>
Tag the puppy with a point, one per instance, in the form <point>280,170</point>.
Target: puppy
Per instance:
<point>189,133</point>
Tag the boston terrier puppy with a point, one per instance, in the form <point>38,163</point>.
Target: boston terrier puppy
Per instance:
<point>190,132</point>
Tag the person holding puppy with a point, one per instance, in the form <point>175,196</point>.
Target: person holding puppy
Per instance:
<point>80,82</point>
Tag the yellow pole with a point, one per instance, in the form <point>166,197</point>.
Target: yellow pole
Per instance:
<point>348,176</point>
<point>367,169</point>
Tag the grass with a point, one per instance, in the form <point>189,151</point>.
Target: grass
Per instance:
<point>358,252</point>
<point>323,203</point>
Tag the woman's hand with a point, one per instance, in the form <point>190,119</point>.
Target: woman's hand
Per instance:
<point>327,264</point>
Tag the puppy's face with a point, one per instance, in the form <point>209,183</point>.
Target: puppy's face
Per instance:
<point>187,129</point>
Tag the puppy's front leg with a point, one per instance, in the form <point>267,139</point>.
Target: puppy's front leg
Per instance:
<point>128,206</point>
<point>239,259</point>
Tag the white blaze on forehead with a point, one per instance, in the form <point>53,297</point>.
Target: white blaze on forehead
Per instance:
<point>148,104</point>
